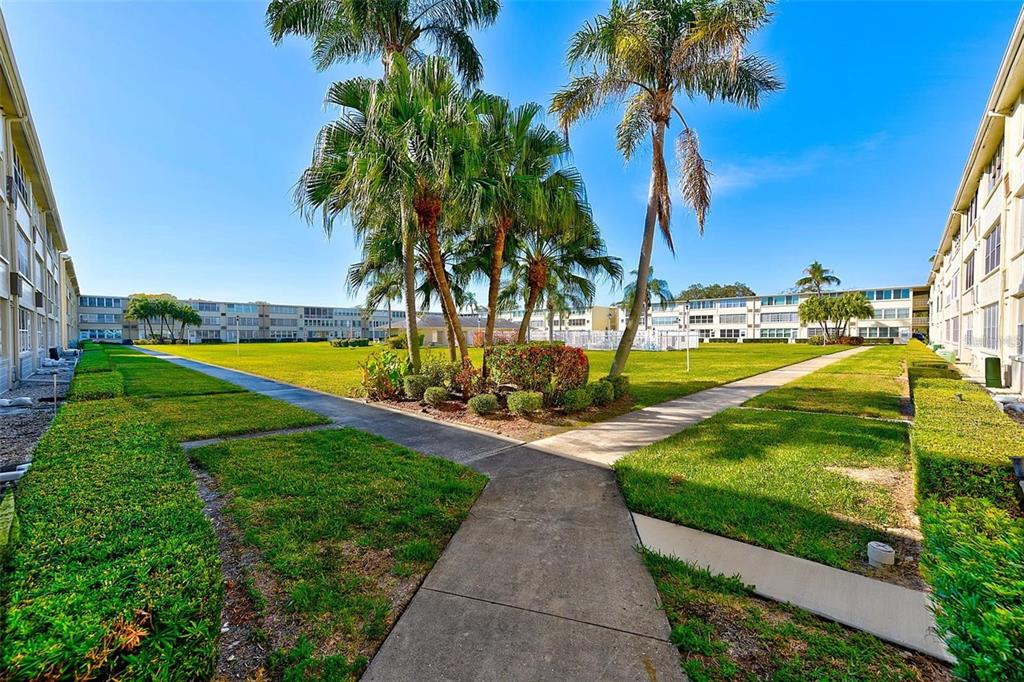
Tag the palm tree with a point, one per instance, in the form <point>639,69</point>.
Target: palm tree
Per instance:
<point>380,270</point>
<point>549,260</point>
<point>645,52</point>
<point>816,278</point>
<point>656,288</point>
<point>347,30</point>
<point>521,162</point>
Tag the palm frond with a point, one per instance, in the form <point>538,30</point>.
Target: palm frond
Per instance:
<point>694,176</point>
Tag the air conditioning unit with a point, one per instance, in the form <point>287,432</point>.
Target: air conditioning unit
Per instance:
<point>40,302</point>
<point>11,194</point>
<point>15,284</point>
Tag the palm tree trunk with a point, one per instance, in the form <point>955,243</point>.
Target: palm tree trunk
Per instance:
<point>497,261</point>
<point>644,268</point>
<point>531,303</point>
<point>412,337</point>
<point>551,321</point>
<point>427,213</point>
<point>451,338</point>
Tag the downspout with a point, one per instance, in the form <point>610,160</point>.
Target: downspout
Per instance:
<point>13,302</point>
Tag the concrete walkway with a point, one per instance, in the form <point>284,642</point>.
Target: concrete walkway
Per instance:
<point>606,442</point>
<point>542,580</point>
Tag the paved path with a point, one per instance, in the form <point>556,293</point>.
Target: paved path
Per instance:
<point>605,442</point>
<point>542,580</point>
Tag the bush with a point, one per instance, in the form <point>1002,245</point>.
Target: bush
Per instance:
<point>483,404</point>
<point>501,338</point>
<point>620,385</point>
<point>879,342</point>
<point>544,367</point>
<point>399,342</point>
<point>415,385</point>
<point>93,359</point>
<point>115,574</point>
<point>576,400</point>
<point>850,340</point>
<point>467,381</point>
<point>783,340</point>
<point>435,396</point>
<point>96,386</point>
<point>382,375</point>
<point>816,340</point>
<point>525,402</point>
<point>350,343</point>
<point>601,392</point>
<point>974,560</point>
<point>441,372</point>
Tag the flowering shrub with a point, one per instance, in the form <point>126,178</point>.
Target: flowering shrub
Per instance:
<point>544,367</point>
<point>382,375</point>
<point>850,340</point>
<point>500,338</point>
<point>467,381</point>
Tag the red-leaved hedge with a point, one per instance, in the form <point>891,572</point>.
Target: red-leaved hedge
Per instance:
<point>549,368</point>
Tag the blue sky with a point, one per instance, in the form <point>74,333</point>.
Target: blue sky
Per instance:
<point>174,132</point>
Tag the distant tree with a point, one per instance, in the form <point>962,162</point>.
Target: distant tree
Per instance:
<point>698,291</point>
<point>187,316</point>
<point>655,289</point>
<point>838,310</point>
<point>146,308</point>
<point>817,278</point>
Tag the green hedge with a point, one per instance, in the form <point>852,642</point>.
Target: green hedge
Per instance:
<point>550,368</point>
<point>96,386</point>
<point>116,573</point>
<point>974,560</point>
<point>94,359</point>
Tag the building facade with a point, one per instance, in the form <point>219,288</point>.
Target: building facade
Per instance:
<point>38,287</point>
<point>102,318</point>
<point>900,312</point>
<point>597,318</point>
<point>976,282</point>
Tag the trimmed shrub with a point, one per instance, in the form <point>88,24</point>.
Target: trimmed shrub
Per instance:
<point>816,340</point>
<point>601,392</point>
<point>435,396</point>
<point>115,574</point>
<point>576,400</point>
<point>850,340</point>
<point>974,560</point>
<point>772,340</point>
<point>93,359</point>
<point>350,343</point>
<point>441,372</point>
<point>483,404</point>
<point>525,402</point>
<point>399,342</point>
<point>544,367</point>
<point>415,385</point>
<point>96,386</point>
<point>620,385</point>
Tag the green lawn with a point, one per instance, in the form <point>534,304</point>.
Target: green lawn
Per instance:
<point>187,418</point>
<point>765,477</point>
<point>349,525</point>
<point>654,377</point>
<point>724,632</point>
<point>149,377</point>
<point>869,384</point>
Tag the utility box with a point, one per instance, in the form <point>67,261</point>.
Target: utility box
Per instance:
<point>993,373</point>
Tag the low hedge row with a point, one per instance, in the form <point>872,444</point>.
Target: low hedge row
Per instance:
<point>96,386</point>
<point>546,367</point>
<point>973,554</point>
<point>115,574</point>
<point>93,359</point>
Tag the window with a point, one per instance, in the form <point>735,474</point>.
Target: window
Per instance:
<point>577,322</point>
<point>1020,339</point>
<point>101,302</point>
<point>733,318</point>
<point>283,322</point>
<point>705,333</point>
<point>100,318</point>
<point>284,309</point>
<point>880,332</point>
<point>100,334</point>
<point>662,320</point>
<point>954,284</point>
<point>780,300</point>
<point>702,305</point>
<point>815,331</point>
<point>1020,222</point>
<point>732,303</point>
<point>992,244</point>
<point>968,330</point>
<point>972,212</point>
<point>702,319</point>
<point>778,333</point>
<point>24,330</point>
<point>891,313</point>
<point>205,307</point>
<point>955,337</point>
<point>994,170</point>
<point>990,333</point>
<point>779,317</point>
<point>969,272</point>
<point>732,333</point>
<point>236,308</point>
<point>887,294</point>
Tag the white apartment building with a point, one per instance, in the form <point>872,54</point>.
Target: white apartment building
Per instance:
<point>102,318</point>
<point>38,286</point>
<point>977,276</point>
<point>900,312</point>
<point>597,318</point>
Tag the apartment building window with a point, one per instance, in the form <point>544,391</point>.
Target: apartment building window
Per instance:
<point>733,318</point>
<point>955,338</point>
<point>969,273</point>
<point>19,177</point>
<point>990,333</point>
<point>779,317</point>
<point>887,294</point>
<point>972,212</point>
<point>284,310</point>
<point>236,308</point>
<point>732,303</point>
<point>577,322</point>
<point>992,248</point>
<point>891,313</point>
<point>101,302</point>
<point>702,319</point>
<point>211,321</point>
<point>994,170</point>
<point>24,330</point>
<point>1020,223</point>
<point>880,332</point>
<point>705,333</point>
<point>779,300</point>
<point>661,320</point>
<point>206,307</point>
<point>968,330</point>
<point>24,255</point>
<point>1020,339</point>
<point>100,318</point>
<point>815,331</point>
<point>246,321</point>
<point>283,322</point>
<point>701,305</point>
<point>732,333</point>
<point>778,333</point>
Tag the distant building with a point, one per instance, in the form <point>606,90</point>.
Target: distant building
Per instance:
<point>977,276</point>
<point>597,318</point>
<point>38,287</point>
<point>434,328</point>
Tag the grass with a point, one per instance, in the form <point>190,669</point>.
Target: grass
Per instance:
<point>187,418</point>
<point>149,377</point>
<point>869,384</point>
<point>115,574</point>
<point>655,376</point>
<point>724,632</point>
<point>346,520</point>
<point>765,477</point>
